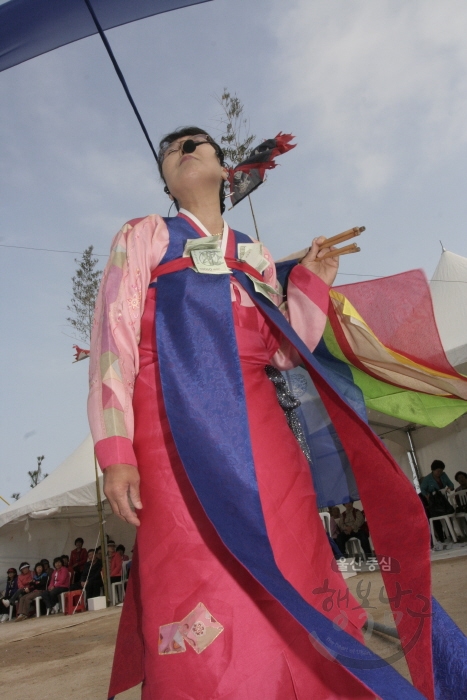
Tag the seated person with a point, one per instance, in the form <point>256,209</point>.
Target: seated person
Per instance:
<point>116,562</point>
<point>121,549</point>
<point>78,559</point>
<point>435,481</point>
<point>9,592</point>
<point>34,589</point>
<point>24,578</point>
<point>351,523</point>
<point>461,478</point>
<point>91,579</point>
<point>47,568</point>
<point>59,582</point>
<point>335,514</point>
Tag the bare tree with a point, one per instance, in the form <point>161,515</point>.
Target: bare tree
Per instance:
<point>236,140</point>
<point>37,476</point>
<point>85,288</point>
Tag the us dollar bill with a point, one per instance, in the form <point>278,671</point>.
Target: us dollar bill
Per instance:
<point>205,243</point>
<point>264,288</point>
<point>252,253</point>
<point>210,261</point>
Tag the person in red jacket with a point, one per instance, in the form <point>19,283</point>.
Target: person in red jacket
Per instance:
<point>78,559</point>
<point>121,549</point>
<point>116,563</point>
<point>59,583</point>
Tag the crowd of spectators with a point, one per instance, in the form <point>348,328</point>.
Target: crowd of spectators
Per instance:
<point>351,522</point>
<point>82,570</point>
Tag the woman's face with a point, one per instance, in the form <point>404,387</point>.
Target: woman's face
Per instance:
<point>462,480</point>
<point>185,171</point>
<point>58,565</point>
<point>437,473</point>
<point>39,569</point>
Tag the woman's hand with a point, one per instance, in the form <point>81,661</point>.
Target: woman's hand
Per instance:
<point>121,486</point>
<point>325,269</point>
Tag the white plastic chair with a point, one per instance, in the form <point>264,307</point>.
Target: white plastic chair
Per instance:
<point>120,585</point>
<point>61,604</point>
<point>326,520</point>
<point>455,502</point>
<point>445,520</point>
<point>353,548</point>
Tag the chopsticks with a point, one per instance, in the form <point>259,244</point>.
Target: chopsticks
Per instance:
<point>340,238</point>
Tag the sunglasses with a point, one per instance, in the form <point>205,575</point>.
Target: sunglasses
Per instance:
<point>189,145</point>
<point>186,146</point>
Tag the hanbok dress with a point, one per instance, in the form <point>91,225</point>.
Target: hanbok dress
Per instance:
<point>196,625</point>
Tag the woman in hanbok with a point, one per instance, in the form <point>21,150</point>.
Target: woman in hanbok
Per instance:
<point>180,404</point>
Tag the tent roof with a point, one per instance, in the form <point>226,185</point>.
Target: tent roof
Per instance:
<point>72,484</point>
<point>449,293</point>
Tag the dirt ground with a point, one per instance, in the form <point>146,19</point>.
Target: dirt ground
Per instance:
<point>70,657</point>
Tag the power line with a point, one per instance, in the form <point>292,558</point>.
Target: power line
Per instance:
<point>53,250</point>
<point>106,255</point>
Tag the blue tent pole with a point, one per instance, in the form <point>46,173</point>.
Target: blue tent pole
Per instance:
<point>120,75</point>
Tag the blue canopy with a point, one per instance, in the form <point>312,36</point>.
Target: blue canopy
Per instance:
<point>29,28</point>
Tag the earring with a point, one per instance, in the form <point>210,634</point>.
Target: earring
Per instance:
<point>227,192</point>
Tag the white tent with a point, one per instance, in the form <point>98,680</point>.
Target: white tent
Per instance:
<point>46,521</point>
<point>448,444</point>
<point>449,292</point>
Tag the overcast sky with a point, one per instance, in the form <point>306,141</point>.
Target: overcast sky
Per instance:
<point>375,93</point>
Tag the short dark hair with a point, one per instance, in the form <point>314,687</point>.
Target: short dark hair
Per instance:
<point>120,548</point>
<point>39,563</point>
<point>91,550</point>
<point>457,474</point>
<point>79,539</point>
<point>58,559</point>
<point>437,464</point>
<point>190,131</point>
